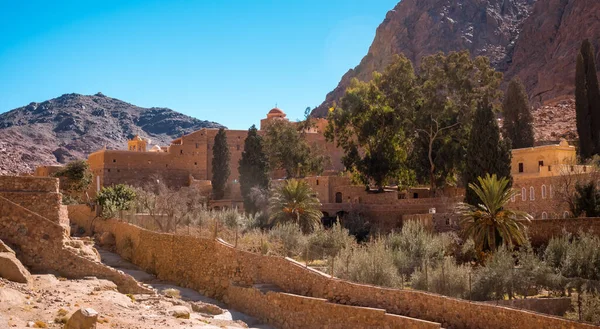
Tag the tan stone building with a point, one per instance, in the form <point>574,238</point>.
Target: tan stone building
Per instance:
<point>544,177</point>
<point>188,159</point>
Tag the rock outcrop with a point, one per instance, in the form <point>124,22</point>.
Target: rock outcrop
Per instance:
<point>536,40</point>
<point>84,318</point>
<point>10,267</point>
<point>72,126</point>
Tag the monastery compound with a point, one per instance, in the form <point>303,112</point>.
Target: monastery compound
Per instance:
<point>278,291</point>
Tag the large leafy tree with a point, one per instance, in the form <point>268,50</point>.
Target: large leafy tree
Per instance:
<point>288,150</point>
<point>486,153</point>
<point>518,121</point>
<point>450,88</point>
<point>220,165</point>
<point>294,202</point>
<point>253,168</point>
<point>370,124</point>
<point>489,223</point>
<point>587,102</point>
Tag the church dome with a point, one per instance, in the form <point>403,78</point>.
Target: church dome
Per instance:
<point>276,111</point>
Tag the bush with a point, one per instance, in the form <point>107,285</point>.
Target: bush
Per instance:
<point>371,263</point>
<point>447,278</point>
<point>290,235</point>
<point>590,308</point>
<point>415,247</point>
<point>493,281</point>
<point>115,199</point>
<point>327,243</point>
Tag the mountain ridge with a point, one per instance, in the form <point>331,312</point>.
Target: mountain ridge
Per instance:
<point>535,40</point>
<point>72,126</point>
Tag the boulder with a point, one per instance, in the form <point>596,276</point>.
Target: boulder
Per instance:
<point>12,269</point>
<point>206,308</point>
<point>84,318</point>
<point>180,312</point>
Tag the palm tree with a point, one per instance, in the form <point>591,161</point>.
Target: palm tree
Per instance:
<point>489,223</point>
<point>295,202</point>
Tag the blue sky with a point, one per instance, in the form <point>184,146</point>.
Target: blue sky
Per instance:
<point>224,61</point>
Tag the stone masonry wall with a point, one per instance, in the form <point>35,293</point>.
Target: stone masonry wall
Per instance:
<point>42,242</point>
<point>281,310</point>
<point>213,267</point>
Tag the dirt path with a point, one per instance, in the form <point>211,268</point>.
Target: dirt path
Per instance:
<point>187,295</point>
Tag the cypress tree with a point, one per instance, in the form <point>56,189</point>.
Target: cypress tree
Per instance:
<point>220,165</point>
<point>486,153</point>
<point>518,121</point>
<point>253,168</point>
<point>582,112</point>
<point>587,99</point>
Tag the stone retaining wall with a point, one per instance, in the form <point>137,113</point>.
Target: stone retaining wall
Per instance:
<point>555,306</point>
<point>212,267</point>
<point>292,311</point>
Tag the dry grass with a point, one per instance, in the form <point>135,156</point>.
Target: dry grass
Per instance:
<point>40,324</point>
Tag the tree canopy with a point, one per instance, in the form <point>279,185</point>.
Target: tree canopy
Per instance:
<point>518,121</point>
<point>75,179</point>
<point>486,153</point>
<point>253,168</point>
<point>369,124</point>
<point>587,102</point>
<point>401,123</point>
<point>220,165</point>
<point>288,150</point>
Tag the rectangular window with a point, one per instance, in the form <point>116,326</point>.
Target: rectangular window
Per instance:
<point>521,169</point>
<point>541,163</point>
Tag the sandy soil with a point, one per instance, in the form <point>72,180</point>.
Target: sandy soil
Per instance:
<point>49,300</point>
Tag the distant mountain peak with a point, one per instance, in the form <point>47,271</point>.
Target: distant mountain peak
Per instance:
<point>72,126</point>
<point>535,40</point>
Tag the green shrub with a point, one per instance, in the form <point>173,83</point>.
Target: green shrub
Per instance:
<point>326,243</point>
<point>115,199</point>
<point>415,247</point>
<point>447,278</point>
<point>290,235</point>
<point>493,281</point>
<point>371,263</point>
<point>590,308</point>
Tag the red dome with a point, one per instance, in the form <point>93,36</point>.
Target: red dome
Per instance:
<point>276,111</point>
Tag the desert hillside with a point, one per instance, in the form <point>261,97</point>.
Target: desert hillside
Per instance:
<point>72,126</point>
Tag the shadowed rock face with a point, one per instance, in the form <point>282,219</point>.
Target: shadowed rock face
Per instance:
<point>535,40</point>
<point>72,126</point>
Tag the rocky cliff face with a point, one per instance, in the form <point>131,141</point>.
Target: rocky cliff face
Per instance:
<point>534,39</point>
<point>72,126</point>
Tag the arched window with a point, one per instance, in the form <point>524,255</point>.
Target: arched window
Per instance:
<point>551,192</point>
<point>565,214</point>
<point>338,197</point>
<point>513,197</point>
<point>523,194</point>
<point>544,215</point>
<point>543,191</point>
<point>531,193</point>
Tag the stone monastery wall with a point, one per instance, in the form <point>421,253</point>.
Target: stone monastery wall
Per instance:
<point>216,269</point>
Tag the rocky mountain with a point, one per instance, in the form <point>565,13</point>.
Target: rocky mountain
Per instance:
<point>536,40</point>
<point>72,126</point>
